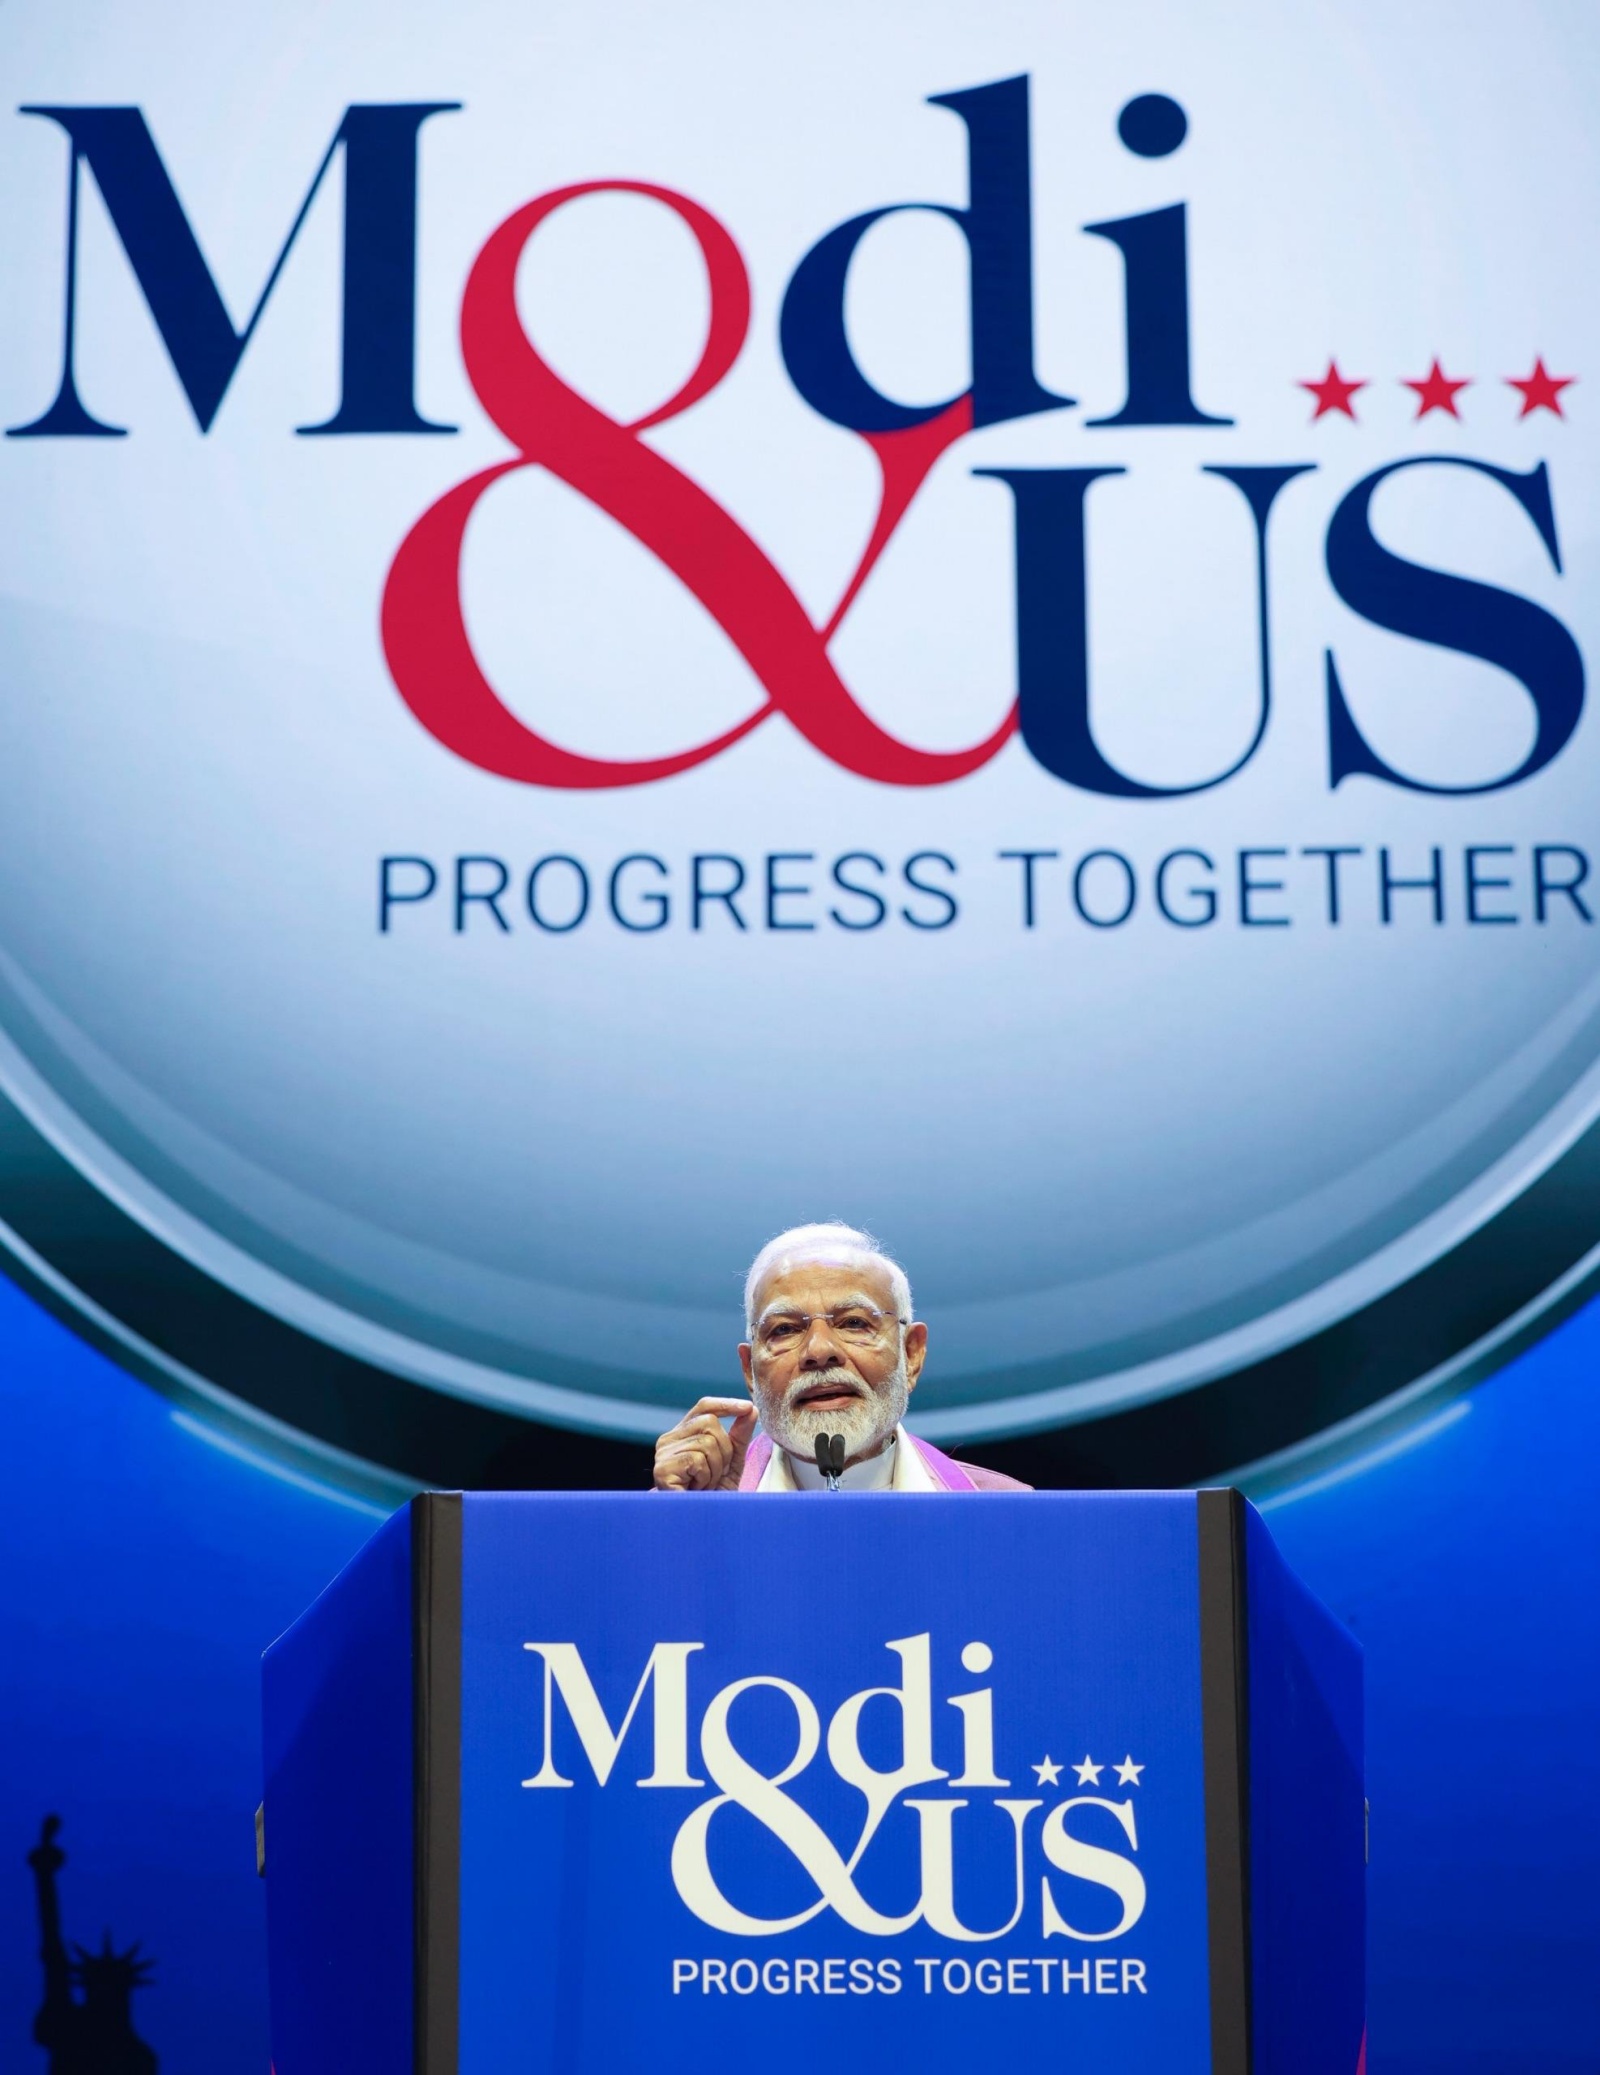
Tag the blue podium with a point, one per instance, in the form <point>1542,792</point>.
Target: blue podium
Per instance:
<point>612,1782</point>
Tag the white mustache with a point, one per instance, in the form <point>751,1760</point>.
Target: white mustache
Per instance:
<point>820,1380</point>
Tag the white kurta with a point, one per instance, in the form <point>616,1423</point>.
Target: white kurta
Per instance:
<point>899,1467</point>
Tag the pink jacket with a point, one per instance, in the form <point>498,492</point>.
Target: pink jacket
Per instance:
<point>944,1469</point>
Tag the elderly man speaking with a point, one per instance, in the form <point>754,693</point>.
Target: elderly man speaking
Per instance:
<point>831,1356</point>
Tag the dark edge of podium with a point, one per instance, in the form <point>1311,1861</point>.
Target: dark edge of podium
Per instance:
<point>1225,1737</point>
<point>436,1720</point>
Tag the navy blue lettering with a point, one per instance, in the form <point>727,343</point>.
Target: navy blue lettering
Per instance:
<point>205,348</point>
<point>1028,860</point>
<point>777,892</point>
<point>658,903</point>
<point>1155,275</point>
<point>1332,852</point>
<point>1152,125</point>
<point>489,896</point>
<point>1053,624</point>
<point>701,895</point>
<point>1388,885</point>
<point>392,896</point>
<point>1478,882</point>
<point>1130,892</point>
<point>581,892</point>
<point>1205,895</point>
<point>1249,886</point>
<point>998,226</point>
<point>938,893</point>
<point>1455,613</point>
<point>863,893</point>
<point>1543,886</point>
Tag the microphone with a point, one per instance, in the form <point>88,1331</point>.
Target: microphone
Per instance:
<point>830,1458</point>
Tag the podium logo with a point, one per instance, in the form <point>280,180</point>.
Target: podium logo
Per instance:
<point>991,1821</point>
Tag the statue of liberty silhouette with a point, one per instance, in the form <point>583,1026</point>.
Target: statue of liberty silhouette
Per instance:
<point>85,2023</point>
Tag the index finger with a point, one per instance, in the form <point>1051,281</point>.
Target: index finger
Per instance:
<point>722,1408</point>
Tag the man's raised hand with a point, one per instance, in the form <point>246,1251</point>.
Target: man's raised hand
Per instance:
<point>700,1453</point>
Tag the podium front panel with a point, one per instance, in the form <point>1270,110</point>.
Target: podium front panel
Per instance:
<point>902,1777</point>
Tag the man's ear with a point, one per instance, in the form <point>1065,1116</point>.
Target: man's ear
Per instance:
<point>744,1364</point>
<point>916,1352</point>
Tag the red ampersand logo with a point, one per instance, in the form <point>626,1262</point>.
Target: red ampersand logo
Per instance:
<point>425,639</point>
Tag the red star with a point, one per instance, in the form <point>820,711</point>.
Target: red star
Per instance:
<point>1333,392</point>
<point>1436,391</point>
<point>1542,390</point>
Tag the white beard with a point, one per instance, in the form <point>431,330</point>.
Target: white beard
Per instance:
<point>865,1423</point>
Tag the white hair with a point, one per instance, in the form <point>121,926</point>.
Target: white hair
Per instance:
<point>830,1241</point>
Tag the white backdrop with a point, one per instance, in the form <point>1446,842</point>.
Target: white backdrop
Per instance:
<point>1115,1160</point>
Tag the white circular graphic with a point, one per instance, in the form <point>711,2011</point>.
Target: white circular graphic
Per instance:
<point>359,940</point>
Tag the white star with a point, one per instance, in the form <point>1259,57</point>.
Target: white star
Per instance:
<point>1088,1772</point>
<point>1049,1772</point>
<point>1128,1773</point>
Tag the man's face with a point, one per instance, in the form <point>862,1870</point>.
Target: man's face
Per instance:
<point>845,1372</point>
